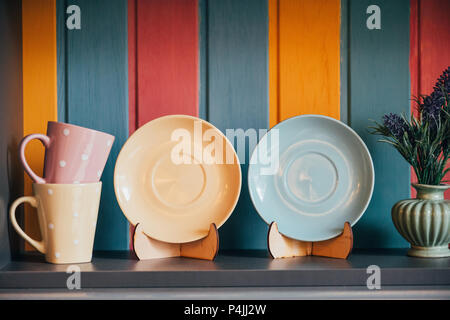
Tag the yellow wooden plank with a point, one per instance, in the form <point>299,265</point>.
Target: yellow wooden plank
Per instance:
<point>304,58</point>
<point>39,86</point>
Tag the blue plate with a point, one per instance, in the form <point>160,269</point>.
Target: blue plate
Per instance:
<point>323,177</point>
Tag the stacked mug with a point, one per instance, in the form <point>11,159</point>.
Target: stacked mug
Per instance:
<point>67,197</point>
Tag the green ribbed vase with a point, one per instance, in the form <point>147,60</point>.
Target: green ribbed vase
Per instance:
<point>425,221</point>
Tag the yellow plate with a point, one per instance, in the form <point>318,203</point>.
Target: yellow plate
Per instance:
<point>176,175</point>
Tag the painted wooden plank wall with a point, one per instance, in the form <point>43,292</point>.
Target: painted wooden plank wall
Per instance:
<point>39,88</point>
<point>235,59</point>
<point>378,83</point>
<point>11,123</point>
<point>304,58</point>
<point>234,72</point>
<point>95,94</point>
<point>430,49</point>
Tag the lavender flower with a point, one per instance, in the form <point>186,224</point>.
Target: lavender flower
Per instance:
<point>443,82</point>
<point>424,141</point>
<point>431,109</point>
<point>395,124</point>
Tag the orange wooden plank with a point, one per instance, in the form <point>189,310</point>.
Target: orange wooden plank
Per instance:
<point>39,86</point>
<point>304,58</point>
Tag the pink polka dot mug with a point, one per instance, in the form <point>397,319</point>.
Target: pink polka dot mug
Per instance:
<point>73,154</point>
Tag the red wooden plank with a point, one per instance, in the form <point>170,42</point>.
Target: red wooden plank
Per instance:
<point>163,75</point>
<point>167,58</point>
<point>430,47</point>
<point>414,63</point>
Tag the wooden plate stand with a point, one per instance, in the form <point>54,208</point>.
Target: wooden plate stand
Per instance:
<point>281,246</point>
<point>148,248</point>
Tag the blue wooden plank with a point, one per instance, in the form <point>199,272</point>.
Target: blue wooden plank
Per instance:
<point>234,55</point>
<point>61,34</point>
<point>203,57</point>
<point>96,96</point>
<point>378,83</point>
<point>345,8</point>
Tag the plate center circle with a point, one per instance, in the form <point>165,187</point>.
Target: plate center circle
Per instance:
<point>178,185</point>
<point>312,177</point>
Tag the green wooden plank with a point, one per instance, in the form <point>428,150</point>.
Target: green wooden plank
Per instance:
<point>234,80</point>
<point>93,92</point>
<point>378,83</point>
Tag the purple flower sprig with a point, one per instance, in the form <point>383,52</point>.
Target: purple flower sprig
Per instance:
<point>431,106</point>
<point>430,109</point>
<point>396,125</point>
<point>424,140</point>
<point>443,82</point>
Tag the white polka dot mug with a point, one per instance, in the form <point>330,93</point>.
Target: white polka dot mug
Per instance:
<point>73,154</point>
<point>67,215</point>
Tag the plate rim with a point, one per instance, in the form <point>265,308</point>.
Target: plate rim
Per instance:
<point>183,116</point>
<point>366,149</point>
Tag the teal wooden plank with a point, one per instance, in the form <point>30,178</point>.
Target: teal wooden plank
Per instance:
<point>96,95</point>
<point>203,57</point>
<point>61,34</point>
<point>234,54</point>
<point>345,8</point>
<point>378,83</point>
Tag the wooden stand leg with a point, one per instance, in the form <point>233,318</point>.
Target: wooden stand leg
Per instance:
<point>284,247</point>
<point>148,248</point>
<point>205,248</point>
<point>339,247</point>
<point>281,246</point>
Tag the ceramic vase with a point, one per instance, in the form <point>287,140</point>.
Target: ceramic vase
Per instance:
<point>425,221</point>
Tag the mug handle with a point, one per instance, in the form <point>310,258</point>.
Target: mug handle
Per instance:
<point>39,245</point>
<point>45,141</point>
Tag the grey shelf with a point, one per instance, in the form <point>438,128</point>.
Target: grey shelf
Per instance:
<point>244,269</point>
